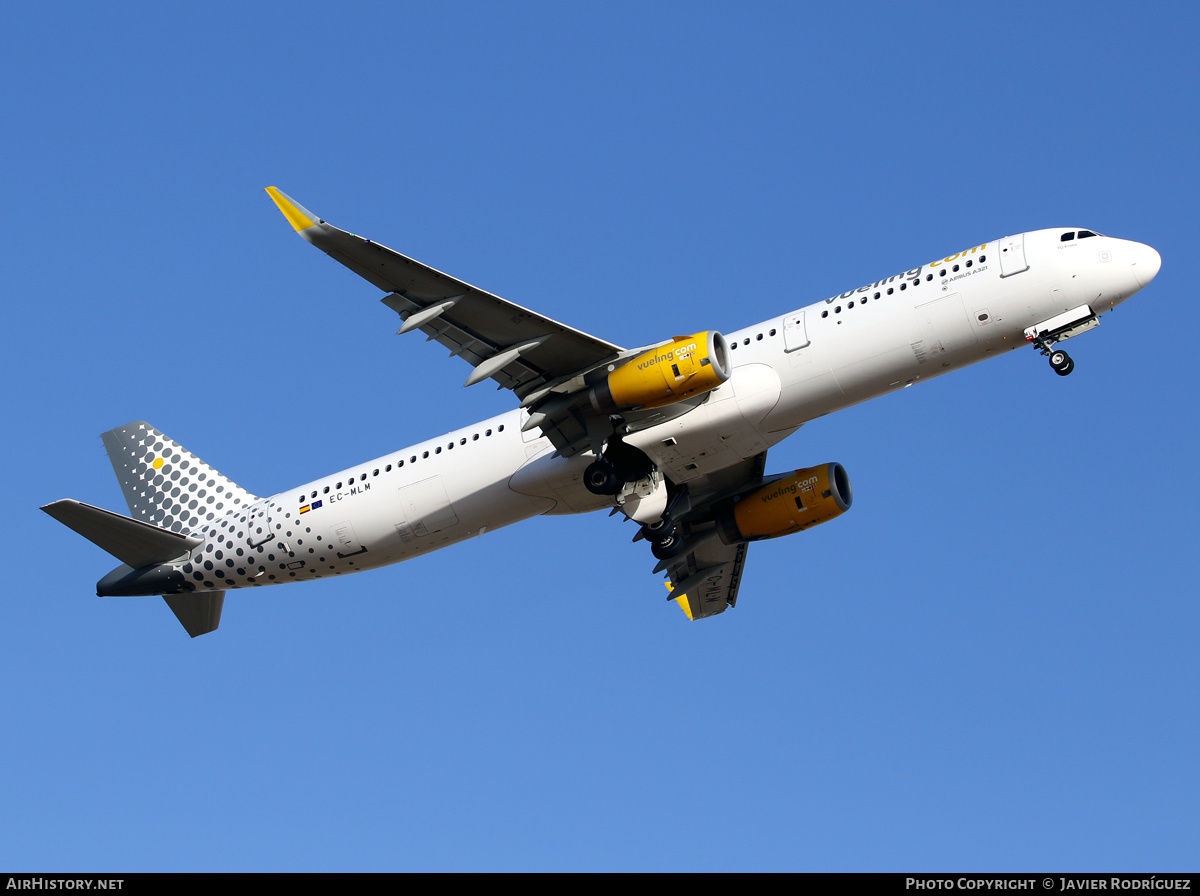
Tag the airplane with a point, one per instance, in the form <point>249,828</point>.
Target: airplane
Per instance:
<point>672,435</point>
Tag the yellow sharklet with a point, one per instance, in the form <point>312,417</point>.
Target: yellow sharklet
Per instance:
<point>682,601</point>
<point>298,216</point>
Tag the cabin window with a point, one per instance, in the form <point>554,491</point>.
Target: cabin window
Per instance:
<point>437,450</point>
<point>488,432</point>
<point>500,428</point>
<point>772,333</point>
<point>425,454</point>
<point>339,485</point>
<point>969,262</point>
<point>942,272</point>
<point>955,268</point>
<point>825,313</point>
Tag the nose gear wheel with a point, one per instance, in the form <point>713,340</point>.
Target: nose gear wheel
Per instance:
<point>1060,361</point>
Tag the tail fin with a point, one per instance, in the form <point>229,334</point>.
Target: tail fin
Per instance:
<point>164,483</point>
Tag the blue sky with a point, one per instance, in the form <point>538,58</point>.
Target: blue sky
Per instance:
<point>989,664</point>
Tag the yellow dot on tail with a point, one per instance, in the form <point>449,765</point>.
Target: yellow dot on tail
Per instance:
<point>158,462</point>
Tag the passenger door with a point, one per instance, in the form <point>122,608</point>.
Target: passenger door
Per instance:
<point>795,334</point>
<point>1012,255</point>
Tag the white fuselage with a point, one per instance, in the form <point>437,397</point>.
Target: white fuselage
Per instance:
<point>786,371</point>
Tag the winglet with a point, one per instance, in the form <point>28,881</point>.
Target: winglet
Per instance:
<point>298,216</point>
<point>682,601</point>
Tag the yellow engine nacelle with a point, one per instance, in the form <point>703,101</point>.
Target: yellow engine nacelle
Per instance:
<point>799,500</point>
<point>686,366</point>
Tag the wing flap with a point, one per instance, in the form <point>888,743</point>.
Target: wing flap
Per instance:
<point>705,581</point>
<point>707,573</point>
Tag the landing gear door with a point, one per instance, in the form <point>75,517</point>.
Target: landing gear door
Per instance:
<point>1012,255</point>
<point>795,335</point>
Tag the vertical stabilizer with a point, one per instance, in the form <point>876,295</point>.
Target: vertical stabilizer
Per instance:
<point>164,483</point>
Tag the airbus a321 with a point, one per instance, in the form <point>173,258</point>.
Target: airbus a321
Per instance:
<point>672,435</point>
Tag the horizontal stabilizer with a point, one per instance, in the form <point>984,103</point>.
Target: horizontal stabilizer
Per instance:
<point>200,611</point>
<point>130,541</point>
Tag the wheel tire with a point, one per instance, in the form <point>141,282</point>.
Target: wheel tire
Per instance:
<point>666,548</point>
<point>654,531</point>
<point>1059,360</point>
<point>600,478</point>
<point>1066,369</point>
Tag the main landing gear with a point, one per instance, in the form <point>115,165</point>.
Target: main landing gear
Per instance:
<point>619,464</point>
<point>665,537</point>
<point>668,536</point>
<point>602,478</point>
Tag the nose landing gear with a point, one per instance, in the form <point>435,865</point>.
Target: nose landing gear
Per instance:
<point>1048,333</point>
<point>1061,363</point>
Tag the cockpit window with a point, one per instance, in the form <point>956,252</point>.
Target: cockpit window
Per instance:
<point>1067,237</point>
<point>1084,234</point>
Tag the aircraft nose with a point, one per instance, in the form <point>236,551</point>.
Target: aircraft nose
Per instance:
<point>1146,262</point>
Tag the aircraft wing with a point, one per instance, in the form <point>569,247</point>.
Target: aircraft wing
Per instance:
<point>706,574</point>
<point>706,580</point>
<point>518,348</point>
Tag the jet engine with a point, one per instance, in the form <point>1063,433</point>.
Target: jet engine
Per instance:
<point>686,366</point>
<point>796,502</point>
